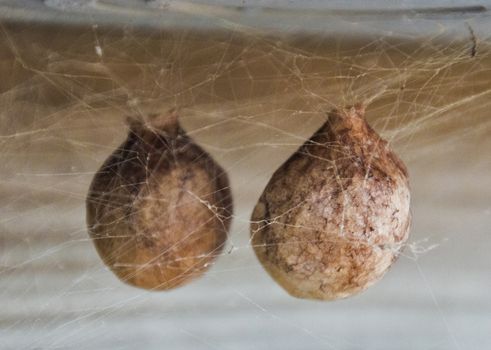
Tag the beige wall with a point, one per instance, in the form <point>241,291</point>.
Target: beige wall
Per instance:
<point>250,100</point>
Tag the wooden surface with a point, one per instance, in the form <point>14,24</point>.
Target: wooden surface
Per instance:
<point>250,102</point>
<point>313,17</point>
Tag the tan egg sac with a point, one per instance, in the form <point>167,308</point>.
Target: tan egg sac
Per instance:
<point>159,209</point>
<point>335,215</point>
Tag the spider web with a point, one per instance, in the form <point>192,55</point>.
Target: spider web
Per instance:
<point>249,99</point>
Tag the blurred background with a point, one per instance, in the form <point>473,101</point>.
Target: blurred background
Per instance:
<point>252,80</point>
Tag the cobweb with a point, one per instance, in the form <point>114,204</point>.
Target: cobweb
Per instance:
<point>250,99</point>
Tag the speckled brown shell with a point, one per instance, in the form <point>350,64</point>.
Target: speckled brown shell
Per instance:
<point>334,216</point>
<point>159,209</point>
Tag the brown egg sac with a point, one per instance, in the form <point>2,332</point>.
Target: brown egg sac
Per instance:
<point>335,215</point>
<point>159,209</point>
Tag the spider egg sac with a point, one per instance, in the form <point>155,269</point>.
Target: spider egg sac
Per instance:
<point>159,208</point>
<point>335,215</point>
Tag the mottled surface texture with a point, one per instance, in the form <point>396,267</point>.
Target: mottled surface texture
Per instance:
<point>159,209</point>
<point>334,216</point>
